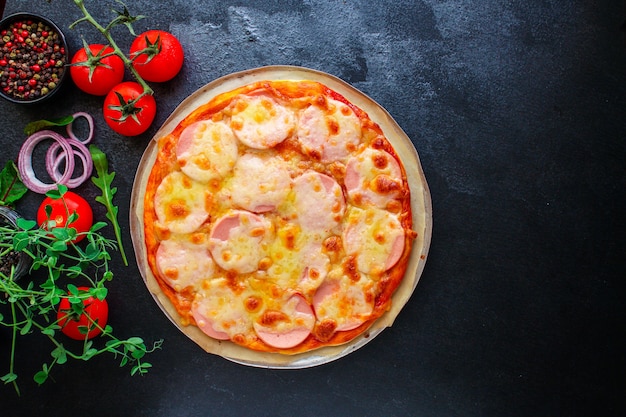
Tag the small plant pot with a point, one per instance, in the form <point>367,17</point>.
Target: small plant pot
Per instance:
<point>20,261</point>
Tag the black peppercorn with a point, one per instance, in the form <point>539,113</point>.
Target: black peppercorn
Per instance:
<point>32,59</point>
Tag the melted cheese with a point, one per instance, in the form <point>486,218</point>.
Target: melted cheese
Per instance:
<point>372,237</point>
<point>206,150</point>
<point>223,308</point>
<point>343,301</point>
<point>181,204</point>
<point>287,326</point>
<point>245,244</point>
<point>373,177</point>
<point>297,259</point>
<point>260,122</point>
<point>329,133</point>
<point>184,260</point>
<point>259,183</point>
<point>319,204</point>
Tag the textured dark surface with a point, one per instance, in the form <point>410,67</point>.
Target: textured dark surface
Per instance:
<point>518,111</point>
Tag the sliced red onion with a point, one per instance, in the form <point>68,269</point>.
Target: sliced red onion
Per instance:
<point>54,158</point>
<point>25,161</point>
<point>70,129</point>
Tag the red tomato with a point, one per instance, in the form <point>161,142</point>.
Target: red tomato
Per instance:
<point>94,74</point>
<point>157,55</point>
<point>125,116</point>
<point>62,208</point>
<point>78,323</point>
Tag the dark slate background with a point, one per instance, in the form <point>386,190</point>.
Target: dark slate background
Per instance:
<point>517,109</point>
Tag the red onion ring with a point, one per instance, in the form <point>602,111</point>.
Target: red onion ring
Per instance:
<point>25,161</point>
<point>62,150</point>
<point>70,129</point>
<point>54,159</point>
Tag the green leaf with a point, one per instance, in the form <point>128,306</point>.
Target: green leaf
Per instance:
<point>26,328</point>
<point>100,293</point>
<point>41,377</point>
<point>92,251</point>
<point>74,271</point>
<point>8,378</point>
<point>103,180</point>
<point>72,218</point>
<point>60,354</point>
<point>59,245</point>
<point>20,241</point>
<point>48,331</point>
<point>11,186</point>
<point>98,226</point>
<point>73,289</point>
<point>57,193</point>
<point>138,354</point>
<point>135,340</point>
<point>26,224</point>
<point>108,276</point>
<point>38,125</point>
<point>90,353</point>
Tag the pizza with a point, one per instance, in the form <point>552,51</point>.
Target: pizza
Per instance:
<point>277,218</point>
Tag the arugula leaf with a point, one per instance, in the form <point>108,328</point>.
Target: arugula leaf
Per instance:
<point>103,180</point>
<point>38,125</point>
<point>11,186</point>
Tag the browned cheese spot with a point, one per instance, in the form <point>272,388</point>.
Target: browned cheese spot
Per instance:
<point>333,126</point>
<point>257,232</point>
<point>239,338</point>
<point>350,268</point>
<point>187,182</point>
<point>171,273</point>
<point>177,210</point>
<point>253,303</point>
<point>383,184</point>
<point>271,317</point>
<point>265,263</point>
<point>325,330</point>
<point>332,244</point>
<point>321,102</point>
<point>198,238</point>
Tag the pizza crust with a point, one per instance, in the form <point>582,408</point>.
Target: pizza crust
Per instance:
<point>420,204</point>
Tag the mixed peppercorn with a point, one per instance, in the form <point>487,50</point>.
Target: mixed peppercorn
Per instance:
<point>32,59</point>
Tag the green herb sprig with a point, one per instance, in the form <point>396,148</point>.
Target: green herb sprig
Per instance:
<point>33,305</point>
<point>103,180</point>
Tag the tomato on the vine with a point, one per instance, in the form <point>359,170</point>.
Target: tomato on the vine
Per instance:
<point>157,55</point>
<point>96,70</point>
<point>84,321</point>
<point>61,209</point>
<point>124,113</point>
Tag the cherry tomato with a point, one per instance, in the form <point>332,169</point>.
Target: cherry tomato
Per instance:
<point>157,55</point>
<point>124,116</point>
<point>94,74</point>
<point>62,208</point>
<point>78,322</point>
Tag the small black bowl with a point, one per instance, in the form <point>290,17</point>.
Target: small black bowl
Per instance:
<point>22,262</point>
<point>40,75</point>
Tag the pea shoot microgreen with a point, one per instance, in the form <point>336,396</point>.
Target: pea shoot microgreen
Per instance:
<point>33,304</point>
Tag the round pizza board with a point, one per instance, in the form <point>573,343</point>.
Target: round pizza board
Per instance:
<point>420,204</point>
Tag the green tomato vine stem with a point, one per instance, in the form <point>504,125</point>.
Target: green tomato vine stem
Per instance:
<point>105,31</point>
